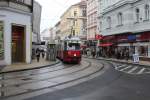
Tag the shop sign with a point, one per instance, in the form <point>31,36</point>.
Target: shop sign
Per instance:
<point>98,37</point>
<point>131,37</point>
<point>1,41</point>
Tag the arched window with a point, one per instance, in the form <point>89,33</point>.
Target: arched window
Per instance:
<point>137,15</point>
<point>147,12</point>
<point>120,18</point>
<point>109,22</point>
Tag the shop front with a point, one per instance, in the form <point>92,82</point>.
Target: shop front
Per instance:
<point>15,37</point>
<point>136,44</point>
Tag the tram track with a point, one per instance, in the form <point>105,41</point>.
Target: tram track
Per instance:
<point>5,77</point>
<point>38,80</point>
<point>84,72</point>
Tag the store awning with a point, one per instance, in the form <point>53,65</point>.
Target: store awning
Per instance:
<point>105,44</point>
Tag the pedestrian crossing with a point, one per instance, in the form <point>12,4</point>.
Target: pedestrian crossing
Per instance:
<point>131,69</point>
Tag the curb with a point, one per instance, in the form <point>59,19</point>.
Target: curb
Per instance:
<point>5,72</point>
<point>141,65</point>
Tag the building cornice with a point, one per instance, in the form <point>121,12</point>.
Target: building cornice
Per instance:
<point>15,10</point>
<point>117,5</point>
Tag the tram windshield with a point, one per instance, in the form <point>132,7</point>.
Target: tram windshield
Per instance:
<point>73,46</point>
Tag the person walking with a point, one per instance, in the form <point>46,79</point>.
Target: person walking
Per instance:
<point>43,53</point>
<point>38,54</point>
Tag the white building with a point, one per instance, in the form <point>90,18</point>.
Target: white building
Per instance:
<point>15,31</point>
<point>92,9</point>
<point>45,35</point>
<point>37,9</point>
<point>125,23</point>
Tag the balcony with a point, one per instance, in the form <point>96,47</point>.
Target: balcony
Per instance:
<point>23,5</point>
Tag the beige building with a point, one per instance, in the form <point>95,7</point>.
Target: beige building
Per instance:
<point>73,21</point>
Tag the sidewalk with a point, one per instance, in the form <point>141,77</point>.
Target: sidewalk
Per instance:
<point>141,63</point>
<point>24,66</point>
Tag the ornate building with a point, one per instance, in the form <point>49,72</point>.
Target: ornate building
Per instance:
<point>125,26</point>
<point>73,21</point>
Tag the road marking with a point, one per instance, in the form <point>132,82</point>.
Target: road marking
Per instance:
<point>125,68</point>
<point>132,70</point>
<point>141,71</point>
<point>120,66</point>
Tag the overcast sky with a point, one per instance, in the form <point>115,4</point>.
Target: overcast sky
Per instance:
<point>52,10</point>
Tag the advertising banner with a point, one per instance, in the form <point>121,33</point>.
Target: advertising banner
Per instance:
<point>1,41</point>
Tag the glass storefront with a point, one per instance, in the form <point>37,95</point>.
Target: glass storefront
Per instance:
<point>143,51</point>
<point>1,41</point>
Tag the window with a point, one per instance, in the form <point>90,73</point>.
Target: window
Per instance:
<point>84,12</point>
<point>120,18</point>
<point>75,13</point>
<point>143,51</point>
<point>1,41</point>
<point>147,11</point>
<point>22,1</point>
<point>109,22</point>
<point>137,15</point>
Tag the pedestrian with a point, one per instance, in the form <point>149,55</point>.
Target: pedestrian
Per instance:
<point>127,55</point>
<point>38,54</point>
<point>93,53</point>
<point>43,53</point>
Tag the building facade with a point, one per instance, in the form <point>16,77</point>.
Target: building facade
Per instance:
<point>125,26</point>
<point>15,31</point>
<point>45,35</point>
<point>58,31</point>
<point>73,21</point>
<point>92,14</point>
<point>37,9</point>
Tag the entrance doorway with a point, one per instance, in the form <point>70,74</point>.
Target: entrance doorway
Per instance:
<point>18,44</point>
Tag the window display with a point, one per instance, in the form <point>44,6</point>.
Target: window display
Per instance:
<point>1,41</point>
<point>143,50</point>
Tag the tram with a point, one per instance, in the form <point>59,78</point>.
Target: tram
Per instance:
<point>69,51</point>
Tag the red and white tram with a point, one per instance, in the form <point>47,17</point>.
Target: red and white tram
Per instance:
<point>69,51</point>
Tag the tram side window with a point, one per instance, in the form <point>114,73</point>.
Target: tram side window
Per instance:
<point>65,46</point>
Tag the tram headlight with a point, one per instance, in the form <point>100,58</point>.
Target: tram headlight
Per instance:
<point>75,55</point>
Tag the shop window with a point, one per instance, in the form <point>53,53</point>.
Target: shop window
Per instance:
<point>1,41</point>
<point>143,51</point>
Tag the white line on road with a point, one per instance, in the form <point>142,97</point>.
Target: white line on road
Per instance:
<point>132,70</point>
<point>120,66</point>
<point>141,71</point>
<point>125,68</point>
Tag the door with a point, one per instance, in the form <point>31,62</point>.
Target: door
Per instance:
<point>18,44</point>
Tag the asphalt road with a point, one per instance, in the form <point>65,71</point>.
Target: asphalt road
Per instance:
<point>111,85</point>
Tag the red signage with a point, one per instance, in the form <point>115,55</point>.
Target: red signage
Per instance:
<point>98,37</point>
